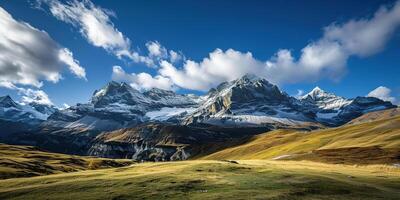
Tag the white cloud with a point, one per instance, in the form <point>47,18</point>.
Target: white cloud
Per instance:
<point>36,96</point>
<point>219,66</point>
<point>66,56</point>
<point>94,23</point>
<point>383,93</point>
<point>325,58</point>
<point>29,55</point>
<point>29,95</point>
<point>175,56</point>
<point>364,37</point>
<point>142,80</point>
<point>156,50</point>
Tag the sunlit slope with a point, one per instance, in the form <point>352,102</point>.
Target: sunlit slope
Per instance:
<point>378,140</point>
<point>377,115</point>
<point>25,161</point>
<point>255,179</point>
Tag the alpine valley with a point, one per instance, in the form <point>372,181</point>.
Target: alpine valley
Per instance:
<point>158,125</point>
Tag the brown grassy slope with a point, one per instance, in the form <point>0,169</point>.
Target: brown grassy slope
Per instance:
<point>26,161</point>
<point>377,115</point>
<point>371,142</point>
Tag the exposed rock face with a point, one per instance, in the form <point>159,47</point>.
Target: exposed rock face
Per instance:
<point>163,142</point>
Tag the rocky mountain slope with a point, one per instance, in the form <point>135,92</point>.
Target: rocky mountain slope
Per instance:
<point>247,101</point>
<point>253,101</point>
<point>118,105</point>
<point>29,114</point>
<point>122,122</point>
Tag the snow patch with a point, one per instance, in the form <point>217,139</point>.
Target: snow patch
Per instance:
<point>166,112</point>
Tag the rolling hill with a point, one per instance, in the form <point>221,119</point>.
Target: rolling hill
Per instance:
<point>361,143</point>
<point>256,179</point>
<point>26,161</point>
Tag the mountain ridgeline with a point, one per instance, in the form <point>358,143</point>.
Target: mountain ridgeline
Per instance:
<point>122,122</point>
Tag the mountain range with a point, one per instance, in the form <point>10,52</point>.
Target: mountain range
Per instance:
<point>122,122</point>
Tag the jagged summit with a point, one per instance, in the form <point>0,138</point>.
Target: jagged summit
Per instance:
<point>7,102</point>
<point>114,92</point>
<point>250,77</point>
<point>31,113</point>
<point>317,92</point>
<point>325,99</point>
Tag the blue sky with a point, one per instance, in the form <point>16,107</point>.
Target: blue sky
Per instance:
<point>198,28</point>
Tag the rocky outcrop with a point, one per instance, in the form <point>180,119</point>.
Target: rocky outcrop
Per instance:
<point>165,142</point>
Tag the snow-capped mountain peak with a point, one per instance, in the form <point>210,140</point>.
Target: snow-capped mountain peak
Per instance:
<point>325,100</point>
<point>7,102</point>
<point>30,113</point>
<point>115,92</point>
<point>317,93</point>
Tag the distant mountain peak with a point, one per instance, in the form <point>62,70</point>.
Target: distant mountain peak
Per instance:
<point>325,100</point>
<point>7,101</point>
<point>117,92</point>
<point>250,77</point>
<point>318,92</point>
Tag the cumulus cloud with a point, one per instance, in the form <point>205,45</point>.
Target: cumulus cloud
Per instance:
<point>142,80</point>
<point>175,56</point>
<point>35,96</point>
<point>65,55</point>
<point>29,55</point>
<point>324,58</point>
<point>156,50</point>
<point>219,66</point>
<point>383,93</point>
<point>94,24</point>
<point>28,95</point>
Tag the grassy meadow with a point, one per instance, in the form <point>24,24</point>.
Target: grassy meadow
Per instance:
<point>27,161</point>
<point>205,179</point>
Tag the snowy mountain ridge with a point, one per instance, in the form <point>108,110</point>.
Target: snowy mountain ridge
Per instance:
<point>246,101</point>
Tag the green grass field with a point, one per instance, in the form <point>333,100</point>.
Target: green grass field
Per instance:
<point>251,179</point>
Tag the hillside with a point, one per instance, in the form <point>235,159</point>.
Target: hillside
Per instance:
<point>377,115</point>
<point>370,142</point>
<point>26,161</point>
<point>213,180</point>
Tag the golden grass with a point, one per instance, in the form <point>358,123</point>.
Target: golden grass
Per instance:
<point>23,161</point>
<point>206,179</point>
<point>383,133</point>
